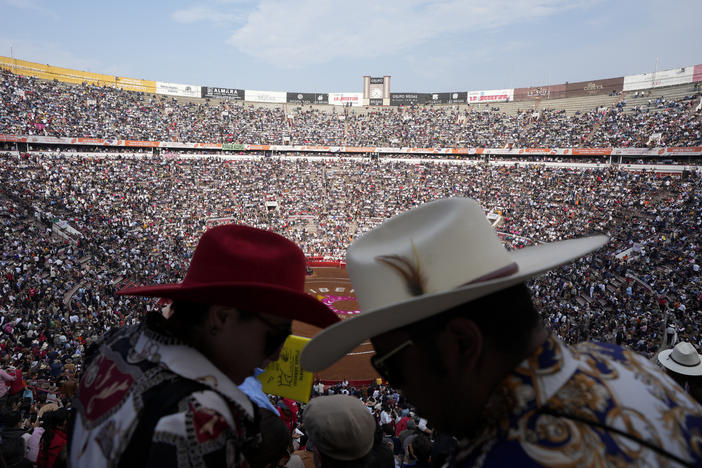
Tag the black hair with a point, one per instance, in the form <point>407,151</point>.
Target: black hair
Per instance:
<point>274,443</point>
<point>421,448</point>
<point>52,420</point>
<point>186,320</point>
<point>507,317</point>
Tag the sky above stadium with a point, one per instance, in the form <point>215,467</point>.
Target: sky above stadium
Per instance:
<point>327,46</point>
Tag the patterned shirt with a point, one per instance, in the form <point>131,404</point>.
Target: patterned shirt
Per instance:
<point>592,405</point>
<point>181,409</point>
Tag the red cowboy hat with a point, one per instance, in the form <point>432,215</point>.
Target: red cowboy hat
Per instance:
<point>249,268</point>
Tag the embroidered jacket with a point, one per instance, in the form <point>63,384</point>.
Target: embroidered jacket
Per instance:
<point>181,410</point>
<point>592,405</point>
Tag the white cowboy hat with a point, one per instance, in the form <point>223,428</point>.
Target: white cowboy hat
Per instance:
<point>682,359</point>
<point>457,258</point>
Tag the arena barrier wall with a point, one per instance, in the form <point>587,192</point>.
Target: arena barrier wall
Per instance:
<point>337,150</point>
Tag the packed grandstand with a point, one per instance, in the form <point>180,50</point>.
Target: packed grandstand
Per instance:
<point>106,185</point>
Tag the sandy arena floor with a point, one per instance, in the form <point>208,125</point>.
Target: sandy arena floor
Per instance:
<point>333,287</point>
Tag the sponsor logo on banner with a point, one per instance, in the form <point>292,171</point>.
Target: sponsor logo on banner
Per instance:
<point>229,93</point>
<point>687,150</point>
<point>278,97</point>
<point>408,99</point>
<point>346,99</point>
<point>377,80</point>
<point>233,147</point>
<point>658,79</point>
<point>307,98</point>
<point>594,87</point>
<point>449,98</point>
<point>494,95</point>
<point>540,92</point>
<point>175,89</point>
<point>376,102</point>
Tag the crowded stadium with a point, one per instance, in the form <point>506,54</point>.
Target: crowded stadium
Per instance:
<point>112,183</point>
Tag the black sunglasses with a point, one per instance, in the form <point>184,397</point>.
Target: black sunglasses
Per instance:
<point>275,337</point>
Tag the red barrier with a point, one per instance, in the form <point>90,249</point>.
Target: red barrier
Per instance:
<point>352,383</point>
<point>325,263</point>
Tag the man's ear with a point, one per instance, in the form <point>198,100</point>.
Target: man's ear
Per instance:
<point>218,316</point>
<point>468,339</point>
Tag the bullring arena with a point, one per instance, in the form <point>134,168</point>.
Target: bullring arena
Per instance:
<point>332,286</point>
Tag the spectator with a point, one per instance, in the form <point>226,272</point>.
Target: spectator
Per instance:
<point>468,349</point>
<point>341,431</point>
<point>232,313</point>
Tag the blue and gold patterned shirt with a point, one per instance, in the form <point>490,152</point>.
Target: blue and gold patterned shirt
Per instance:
<point>591,405</point>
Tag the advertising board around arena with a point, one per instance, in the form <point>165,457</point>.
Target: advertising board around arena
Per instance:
<point>409,99</point>
<point>135,84</point>
<point>457,97</point>
<point>233,147</point>
<point>13,139</point>
<point>697,74</point>
<point>276,97</point>
<point>177,89</point>
<point>346,99</point>
<point>594,87</point>
<point>227,93</point>
<point>659,79</point>
<point>307,98</point>
<point>589,151</point>
<point>540,92</point>
<point>492,95</point>
<point>375,102</point>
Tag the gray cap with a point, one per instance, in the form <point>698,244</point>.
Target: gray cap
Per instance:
<point>339,426</point>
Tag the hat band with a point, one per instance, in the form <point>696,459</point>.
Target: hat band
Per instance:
<point>682,363</point>
<point>499,273</point>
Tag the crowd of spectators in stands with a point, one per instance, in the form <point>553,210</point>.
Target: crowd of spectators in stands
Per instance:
<point>35,107</point>
<point>75,229</point>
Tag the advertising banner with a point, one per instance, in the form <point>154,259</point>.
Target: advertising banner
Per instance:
<point>346,99</point>
<point>493,95</point>
<point>228,93</point>
<point>277,97</point>
<point>449,98</point>
<point>176,89</point>
<point>697,74</point>
<point>589,151</point>
<point>134,84</point>
<point>658,79</point>
<point>375,102</point>
<point>377,80</point>
<point>594,87</point>
<point>540,92</point>
<point>409,99</point>
<point>307,98</point>
<point>233,147</point>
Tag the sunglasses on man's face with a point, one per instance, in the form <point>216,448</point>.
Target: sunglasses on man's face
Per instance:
<point>389,366</point>
<point>275,336</point>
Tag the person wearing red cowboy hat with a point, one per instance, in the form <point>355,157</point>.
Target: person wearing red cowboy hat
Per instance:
<point>164,392</point>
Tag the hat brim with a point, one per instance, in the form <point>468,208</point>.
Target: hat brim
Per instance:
<point>254,297</point>
<point>334,342</point>
<point>668,362</point>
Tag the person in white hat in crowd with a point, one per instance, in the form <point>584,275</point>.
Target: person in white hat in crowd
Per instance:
<point>453,326</point>
<point>164,392</point>
<point>684,364</point>
<point>340,431</point>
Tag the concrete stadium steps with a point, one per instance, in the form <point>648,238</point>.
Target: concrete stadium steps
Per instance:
<point>669,93</point>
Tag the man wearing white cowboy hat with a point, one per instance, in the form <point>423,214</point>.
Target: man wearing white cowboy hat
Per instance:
<point>164,392</point>
<point>684,364</point>
<point>453,326</point>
